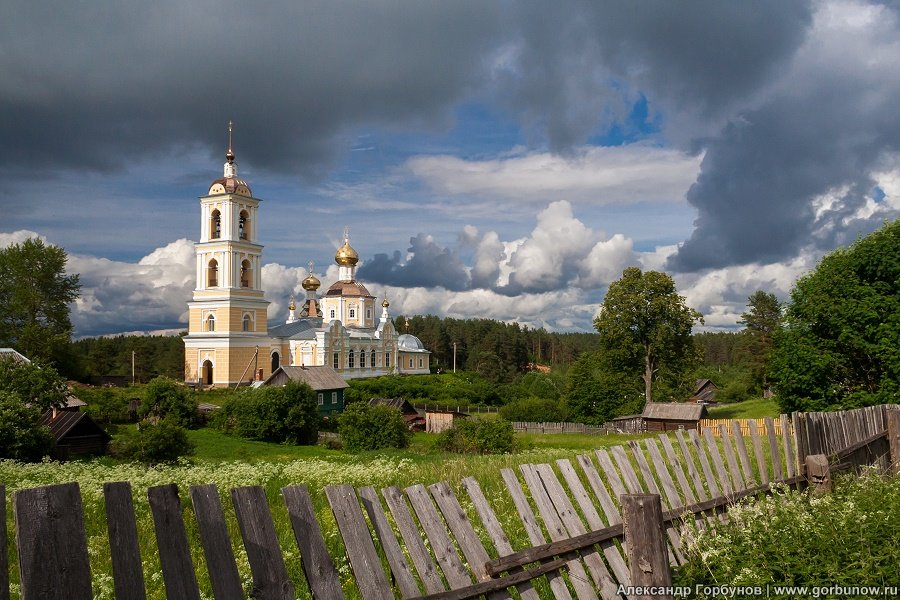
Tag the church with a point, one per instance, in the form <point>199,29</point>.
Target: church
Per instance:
<point>229,340</point>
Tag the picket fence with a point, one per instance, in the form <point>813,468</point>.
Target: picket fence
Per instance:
<point>420,542</point>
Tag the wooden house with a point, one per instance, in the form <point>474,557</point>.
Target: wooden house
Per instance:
<point>669,416</point>
<point>704,392</point>
<point>414,420</point>
<point>75,433</point>
<point>328,385</point>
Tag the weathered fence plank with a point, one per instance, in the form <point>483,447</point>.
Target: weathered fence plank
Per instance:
<point>403,576</point>
<point>447,557</point>
<point>171,540</point>
<point>893,431</point>
<point>223,574</point>
<point>128,571</point>
<point>760,456</point>
<point>4,553</point>
<point>321,575</point>
<point>699,488</point>
<point>496,533</point>
<point>270,576</point>
<point>53,557</point>
<point>787,439</point>
<point>533,530</point>
<point>743,457</point>
<point>724,478</point>
<point>422,560</point>
<point>736,480</point>
<point>646,545</point>
<point>358,541</point>
<point>612,476</point>
<point>773,450</point>
<point>710,479</point>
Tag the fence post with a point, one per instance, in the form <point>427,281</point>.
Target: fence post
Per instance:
<point>893,430</point>
<point>818,473</point>
<point>648,557</point>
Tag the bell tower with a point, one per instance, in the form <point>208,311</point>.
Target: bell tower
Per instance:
<point>227,341</point>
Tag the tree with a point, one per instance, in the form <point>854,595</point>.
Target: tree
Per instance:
<point>21,438</point>
<point>645,328</point>
<point>34,296</point>
<point>840,347</point>
<point>598,391</point>
<point>38,385</point>
<point>762,322</point>
<point>286,414</point>
<point>166,398</point>
<point>366,427</point>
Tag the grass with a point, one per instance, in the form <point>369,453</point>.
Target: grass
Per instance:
<point>748,409</point>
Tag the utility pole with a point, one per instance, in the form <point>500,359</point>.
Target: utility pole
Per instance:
<point>454,357</point>
<point>132,367</point>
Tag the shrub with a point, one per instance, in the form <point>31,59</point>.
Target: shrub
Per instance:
<point>39,385</point>
<point>21,438</point>
<point>536,410</point>
<point>287,414</point>
<point>478,436</point>
<point>166,398</point>
<point>106,405</point>
<point>161,442</point>
<point>365,427</point>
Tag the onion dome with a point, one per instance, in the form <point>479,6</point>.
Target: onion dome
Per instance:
<point>385,304</point>
<point>311,283</point>
<point>292,305</point>
<point>346,256</point>
<point>410,343</point>
<point>229,183</point>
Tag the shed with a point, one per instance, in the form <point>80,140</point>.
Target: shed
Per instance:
<point>704,391</point>
<point>414,420</point>
<point>669,416</point>
<point>75,433</point>
<point>437,421</point>
<point>325,381</point>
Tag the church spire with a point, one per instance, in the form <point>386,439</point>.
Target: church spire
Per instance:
<point>230,165</point>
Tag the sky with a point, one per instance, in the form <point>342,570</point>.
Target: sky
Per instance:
<point>501,160</point>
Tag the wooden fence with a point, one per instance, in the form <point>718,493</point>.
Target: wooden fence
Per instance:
<point>743,424</point>
<point>632,425</point>
<point>421,542</point>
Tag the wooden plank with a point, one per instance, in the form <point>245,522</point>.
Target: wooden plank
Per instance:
<point>51,543</point>
<point>628,473</point>
<point>321,575</point>
<point>743,456</point>
<point>447,557</point>
<point>736,479</point>
<point>613,556</point>
<point>516,579</point>
<point>892,416</point>
<point>612,476</point>
<point>724,479</point>
<point>557,531</point>
<point>758,452</point>
<point>171,540</point>
<point>691,467</point>
<point>647,554</point>
<point>574,526</point>
<point>462,530</point>
<point>787,439</point>
<point>496,533</point>
<point>4,552</point>
<point>270,576</point>
<point>673,533</point>
<point>799,421</point>
<point>403,576</point>
<point>358,542</point>
<point>533,530</point>
<point>220,563</point>
<point>777,472</point>
<point>711,483</point>
<point>599,489</point>
<point>665,478</point>
<point>678,469</point>
<point>422,560</point>
<point>124,549</point>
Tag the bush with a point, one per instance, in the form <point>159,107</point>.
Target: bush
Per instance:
<point>39,385</point>
<point>365,427</point>
<point>287,414</point>
<point>21,438</point>
<point>537,410</point>
<point>106,405</point>
<point>161,442</point>
<point>478,436</point>
<point>166,398</point>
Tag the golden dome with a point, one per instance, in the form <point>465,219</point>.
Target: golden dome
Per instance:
<point>292,305</point>
<point>346,256</point>
<point>385,304</point>
<point>311,283</point>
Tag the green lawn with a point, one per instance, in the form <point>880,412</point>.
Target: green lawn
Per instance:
<point>748,409</point>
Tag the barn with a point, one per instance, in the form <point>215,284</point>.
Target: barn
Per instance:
<point>414,420</point>
<point>76,434</point>
<point>670,416</point>
<point>704,392</point>
<point>325,382</point>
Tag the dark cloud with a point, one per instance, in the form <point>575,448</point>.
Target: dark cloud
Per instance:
<point>429,266</point>
<point>762,181</point>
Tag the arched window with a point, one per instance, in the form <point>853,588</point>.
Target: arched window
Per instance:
<point>215,225</point>
<point>387,359</point>
<point>362,359</point>
<point>211,323</point>
<point>331,313</point>
<point>372,360</point>
<point>212,272</point>
<point>245,273</point>
<point>246,323</point>
<point>276,361</point>
<point>336,360</point>
<point>350,359</point>
<point>207,376</point>
<point>244,226</point>
<point>352,313</point>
